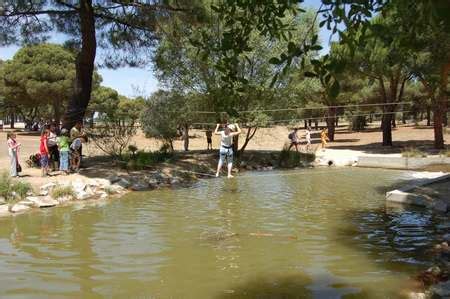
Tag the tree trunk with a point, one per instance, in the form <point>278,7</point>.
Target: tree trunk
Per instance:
<point>306,124</point>
<point>57,112</point>
<point>236,145</point>
<point>248,137</point>
<point>84,67</point>
<point>316,124</point>
<point>387,129</point>
<point>186,136</point>
<point>337,121</point>
<point>438,113</point>
<point>428,115</point>
<point>12,119</point>
<point>310,122</point>
<point>331,122</point>
<point>394,123</point>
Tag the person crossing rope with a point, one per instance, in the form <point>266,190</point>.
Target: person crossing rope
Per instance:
<point>226,146</point>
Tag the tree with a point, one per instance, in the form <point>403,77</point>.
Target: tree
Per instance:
<point>105,101</point>
<point>181,67</point>
<point>160,117</point>
<point>424,28</point>
<point>38,75</point>
<point>123,27</point>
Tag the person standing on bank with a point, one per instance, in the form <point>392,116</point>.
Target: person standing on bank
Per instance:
<point>209,139</point>
<point>13,150</point>
<point>226,147</point>
<point>53,147</point>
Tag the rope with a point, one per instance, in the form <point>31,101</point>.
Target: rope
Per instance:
<point>319,117</point>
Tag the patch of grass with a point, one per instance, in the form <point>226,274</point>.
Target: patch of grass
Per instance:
<point>445,153</point>
<point>411,152</point>
<point>141,159</point>
<point>5,185</point>
<point>109,190</point>
<point>61,191</point>
<point>292,159</point>
<point>8,187</point>
<point>21,189</point>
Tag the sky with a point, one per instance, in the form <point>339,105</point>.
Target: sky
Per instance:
<point>134,82</point>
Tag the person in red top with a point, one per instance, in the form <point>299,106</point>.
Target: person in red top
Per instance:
<point>43,150</point>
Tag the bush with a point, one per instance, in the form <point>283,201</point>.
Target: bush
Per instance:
<point>142,159</point>
<point>8,188</point>
<point>61,191</point>
<point>113,136</point>
<point>413,153</point>
<point>291,159</point>
<point>21,189</point>
<point>5,185</point>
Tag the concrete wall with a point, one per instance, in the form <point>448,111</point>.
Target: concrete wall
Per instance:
<point>400,162</point>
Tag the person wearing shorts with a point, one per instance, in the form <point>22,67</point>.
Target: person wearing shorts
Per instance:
<point>294,139</point>
<point>226,147</point>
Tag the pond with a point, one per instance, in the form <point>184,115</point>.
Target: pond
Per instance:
<point>313,233</point>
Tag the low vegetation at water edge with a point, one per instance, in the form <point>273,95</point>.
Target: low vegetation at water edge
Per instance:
<point>62,191</point>
<point>292,159</point>
<point>412,152</point>
<point>11,190</point>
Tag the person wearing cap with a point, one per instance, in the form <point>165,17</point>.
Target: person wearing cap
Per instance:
<point>226,146</point>
<point>63,146</point>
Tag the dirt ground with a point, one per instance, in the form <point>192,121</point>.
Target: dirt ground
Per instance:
<point>266,139</point>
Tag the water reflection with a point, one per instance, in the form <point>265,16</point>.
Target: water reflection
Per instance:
<point>304,234</point>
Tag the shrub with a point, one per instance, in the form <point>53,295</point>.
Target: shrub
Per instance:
<point>5,185</point>
<point>412,152</point>
<point>142,159</point>
<point>291,159</point>
<point>8,187</point>
<point>113,136</point>
<point>61,191</point>
<point>21,189</point>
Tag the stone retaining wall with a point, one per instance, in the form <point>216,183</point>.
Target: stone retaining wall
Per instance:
<point>400,162</point>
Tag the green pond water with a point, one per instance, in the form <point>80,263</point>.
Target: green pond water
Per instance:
<point>315,233</point>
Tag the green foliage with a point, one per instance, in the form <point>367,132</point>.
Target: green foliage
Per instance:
<point>5,185</point>
<point>411,152</point>
<point>162,116</point>
<point>292,159</point>
<point>8,187</point>
<point>62,191</point>
<point>144,159</point>
<point>39,75</point>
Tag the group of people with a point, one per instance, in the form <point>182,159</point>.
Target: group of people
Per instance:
<point>58,149</point>
<point>297,140</point>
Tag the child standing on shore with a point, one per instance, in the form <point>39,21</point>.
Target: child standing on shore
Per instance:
<point>13,149</point>
<point>43,151</point>
<point>324,137</point>
<point>63,146</point>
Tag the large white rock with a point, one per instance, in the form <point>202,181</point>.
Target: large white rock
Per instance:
<point>116,188</point>
<point>102,194</point>
<point>82,195</point>
<point>103,183</point>
<point>17,208</point>
<point>78,185</point>
<point>2,200</point>
<point>43,202</point>
<point>45,189</point>
<point>4,210</point>
<point>27,202</point>
<point>64,199</point>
